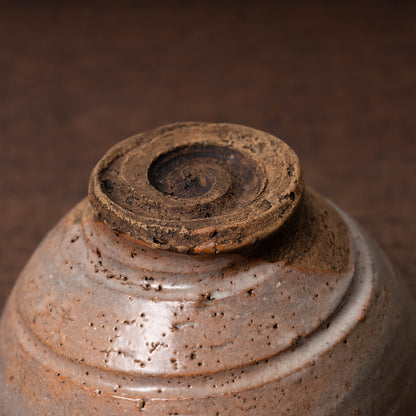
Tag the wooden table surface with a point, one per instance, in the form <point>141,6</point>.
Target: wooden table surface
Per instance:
<point>336,81</point>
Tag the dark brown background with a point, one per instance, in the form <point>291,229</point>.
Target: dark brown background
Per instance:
<point>336,81</point>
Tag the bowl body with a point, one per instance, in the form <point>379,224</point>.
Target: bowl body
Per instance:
<point>312,321</point>
<point>76,316</point>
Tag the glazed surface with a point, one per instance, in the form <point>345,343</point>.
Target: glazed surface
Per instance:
<point>202,278</point>
<point>197,336</point>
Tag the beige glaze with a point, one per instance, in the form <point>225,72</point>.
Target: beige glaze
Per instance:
<point>304,316</point>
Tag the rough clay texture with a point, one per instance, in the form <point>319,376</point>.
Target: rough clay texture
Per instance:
<point>308,320</point>
<point>212,188</point>
<point>197,187</point>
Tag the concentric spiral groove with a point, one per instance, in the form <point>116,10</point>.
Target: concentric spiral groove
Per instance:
<point>197,187</point>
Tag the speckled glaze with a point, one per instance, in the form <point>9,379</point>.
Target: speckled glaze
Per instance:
<point>201,277</point>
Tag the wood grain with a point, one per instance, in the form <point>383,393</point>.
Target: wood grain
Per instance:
<point>335,81</point>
